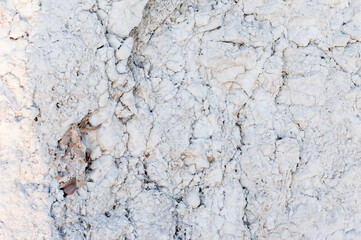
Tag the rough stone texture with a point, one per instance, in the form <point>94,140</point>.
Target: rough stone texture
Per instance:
<point>220,119</point>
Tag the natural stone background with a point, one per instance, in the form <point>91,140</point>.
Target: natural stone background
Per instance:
<point>220,119</point>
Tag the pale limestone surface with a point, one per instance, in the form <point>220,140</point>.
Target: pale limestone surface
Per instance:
<point>220,119</point>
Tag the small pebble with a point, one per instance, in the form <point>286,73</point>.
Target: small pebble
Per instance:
<point>70,189</point>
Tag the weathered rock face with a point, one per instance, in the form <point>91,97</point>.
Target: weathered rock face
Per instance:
<point>217,119</point>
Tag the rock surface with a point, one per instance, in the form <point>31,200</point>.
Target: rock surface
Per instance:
<point>220,119</point>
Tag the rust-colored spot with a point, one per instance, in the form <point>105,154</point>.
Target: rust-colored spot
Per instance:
<point>211,159</point>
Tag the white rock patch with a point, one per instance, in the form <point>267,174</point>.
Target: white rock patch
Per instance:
<point>222,119</point>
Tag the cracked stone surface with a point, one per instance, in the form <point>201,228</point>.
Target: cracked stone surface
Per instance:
<point>218,119</point>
